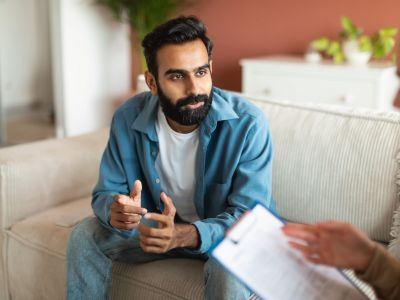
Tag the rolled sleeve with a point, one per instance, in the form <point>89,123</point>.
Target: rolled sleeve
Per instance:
<point>112,181</point>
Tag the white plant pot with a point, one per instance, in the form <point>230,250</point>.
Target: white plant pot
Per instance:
<point>141,85</point>
<point>312,57</point>
<point>353,55</point>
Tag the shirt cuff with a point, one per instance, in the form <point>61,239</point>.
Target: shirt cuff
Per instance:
<point>204,238</point>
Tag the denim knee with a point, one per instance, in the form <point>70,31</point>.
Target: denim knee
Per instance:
<point>83,235</point>
<point>220,284</point>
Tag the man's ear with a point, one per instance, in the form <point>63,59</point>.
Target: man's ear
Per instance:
<point>151,82</point>
<point>211,66</point>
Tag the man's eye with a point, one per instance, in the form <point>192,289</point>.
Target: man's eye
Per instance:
<point>176,76</point>
<point>201,73</point>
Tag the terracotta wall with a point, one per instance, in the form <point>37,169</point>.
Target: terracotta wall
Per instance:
<point>242,28</point>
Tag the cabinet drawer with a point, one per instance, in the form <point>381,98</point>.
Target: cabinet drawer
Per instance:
<point>311,89</point>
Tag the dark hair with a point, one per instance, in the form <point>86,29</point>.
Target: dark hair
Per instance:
<point>176,31</point>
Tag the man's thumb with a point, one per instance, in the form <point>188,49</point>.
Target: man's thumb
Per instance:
<point>136,192</point>
<point>169,208</point>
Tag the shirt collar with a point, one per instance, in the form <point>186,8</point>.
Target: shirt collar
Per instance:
<point>221,110</point>
<point>146,119</point>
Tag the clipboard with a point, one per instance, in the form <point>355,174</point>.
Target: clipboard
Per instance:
<point>256,251</point>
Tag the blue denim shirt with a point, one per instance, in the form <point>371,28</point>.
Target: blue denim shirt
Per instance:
<point>233,165</point>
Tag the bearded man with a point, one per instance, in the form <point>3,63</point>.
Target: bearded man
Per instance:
<point>182,163</point>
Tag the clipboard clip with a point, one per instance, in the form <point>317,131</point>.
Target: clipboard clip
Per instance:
<point>240,229</point>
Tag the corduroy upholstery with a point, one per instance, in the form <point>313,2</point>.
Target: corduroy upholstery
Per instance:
<point>329,163</point>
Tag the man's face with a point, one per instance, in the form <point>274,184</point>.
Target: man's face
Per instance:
<point>184,82</point>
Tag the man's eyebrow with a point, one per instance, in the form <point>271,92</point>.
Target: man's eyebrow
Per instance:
<point>173,71</point>
<point>205,66</point>
<point>182,71</point>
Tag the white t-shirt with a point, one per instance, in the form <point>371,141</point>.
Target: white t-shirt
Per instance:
<point>176,166</point>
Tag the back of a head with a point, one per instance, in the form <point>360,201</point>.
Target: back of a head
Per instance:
<point>175,31</point>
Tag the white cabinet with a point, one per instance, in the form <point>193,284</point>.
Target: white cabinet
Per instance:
<point>291,78</point>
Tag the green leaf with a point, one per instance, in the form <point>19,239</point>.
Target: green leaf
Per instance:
<point>333,48</point>
<point>338,58</point>
<point>382,45</point>
<point>378,50</point>
<point>347,24</point>
<point>350,31</point>
<point>320,44</point>
<point>365,44</point>
<point>388,44</point>
<point>388,32</point>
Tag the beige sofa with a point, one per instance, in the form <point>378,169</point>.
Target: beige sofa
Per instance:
<point>329,163</point>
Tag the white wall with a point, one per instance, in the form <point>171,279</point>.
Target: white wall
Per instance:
<point>25,62</point>
<point>91,65</point>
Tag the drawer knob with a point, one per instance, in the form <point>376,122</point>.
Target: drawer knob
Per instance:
<point>346,98</point>
<point>267,91</point>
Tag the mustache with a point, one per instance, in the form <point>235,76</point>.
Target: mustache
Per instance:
<point>191,100</point>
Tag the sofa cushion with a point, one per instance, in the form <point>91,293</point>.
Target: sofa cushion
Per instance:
<point>36,247</point>
<point>49,230</point>
<point>335,163</point>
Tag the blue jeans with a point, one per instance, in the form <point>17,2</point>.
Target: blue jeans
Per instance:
<point>92,249</point>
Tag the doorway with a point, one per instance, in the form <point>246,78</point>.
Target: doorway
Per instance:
<point>26,86</point>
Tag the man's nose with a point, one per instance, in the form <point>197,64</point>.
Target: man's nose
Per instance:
<point>192,86</point>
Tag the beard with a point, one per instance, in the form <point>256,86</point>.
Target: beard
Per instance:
<point>182,115</point>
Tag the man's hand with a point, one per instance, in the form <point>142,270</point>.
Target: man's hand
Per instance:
<point>126,212</point>
<point>332,243</point>
<point>168,235</point>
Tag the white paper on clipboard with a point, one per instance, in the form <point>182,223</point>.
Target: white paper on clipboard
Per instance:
<point>257,252</point>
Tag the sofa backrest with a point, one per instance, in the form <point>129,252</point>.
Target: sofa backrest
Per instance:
<point>335,163</point>
<point>36,176</point>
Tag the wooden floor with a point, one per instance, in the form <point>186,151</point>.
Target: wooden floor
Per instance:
<point>28,129</point>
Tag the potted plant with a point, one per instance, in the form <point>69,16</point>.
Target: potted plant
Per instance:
<point>354,46</point>
<point>143,16</point>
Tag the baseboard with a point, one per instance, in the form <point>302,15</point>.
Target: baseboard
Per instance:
<point>27,110</point>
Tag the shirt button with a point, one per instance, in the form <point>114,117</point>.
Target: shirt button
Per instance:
<point>157,180</point>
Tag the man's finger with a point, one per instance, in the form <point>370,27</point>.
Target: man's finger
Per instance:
<point>136,192</point>
<point>127,209</point>
<point>160,218</point>
<point>135,218</point>
<point>169,207</point>
<point>150,241</point>
<point>122,225</point>
<point>151,249</point>
<point>153,232</point>
<point>122,199</point>
<point>126,205</point>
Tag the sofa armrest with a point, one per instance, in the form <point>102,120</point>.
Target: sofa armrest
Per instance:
<point>36,176</point>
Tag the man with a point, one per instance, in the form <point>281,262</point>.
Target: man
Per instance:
<point>342,246</point>
<point>181,165</point>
